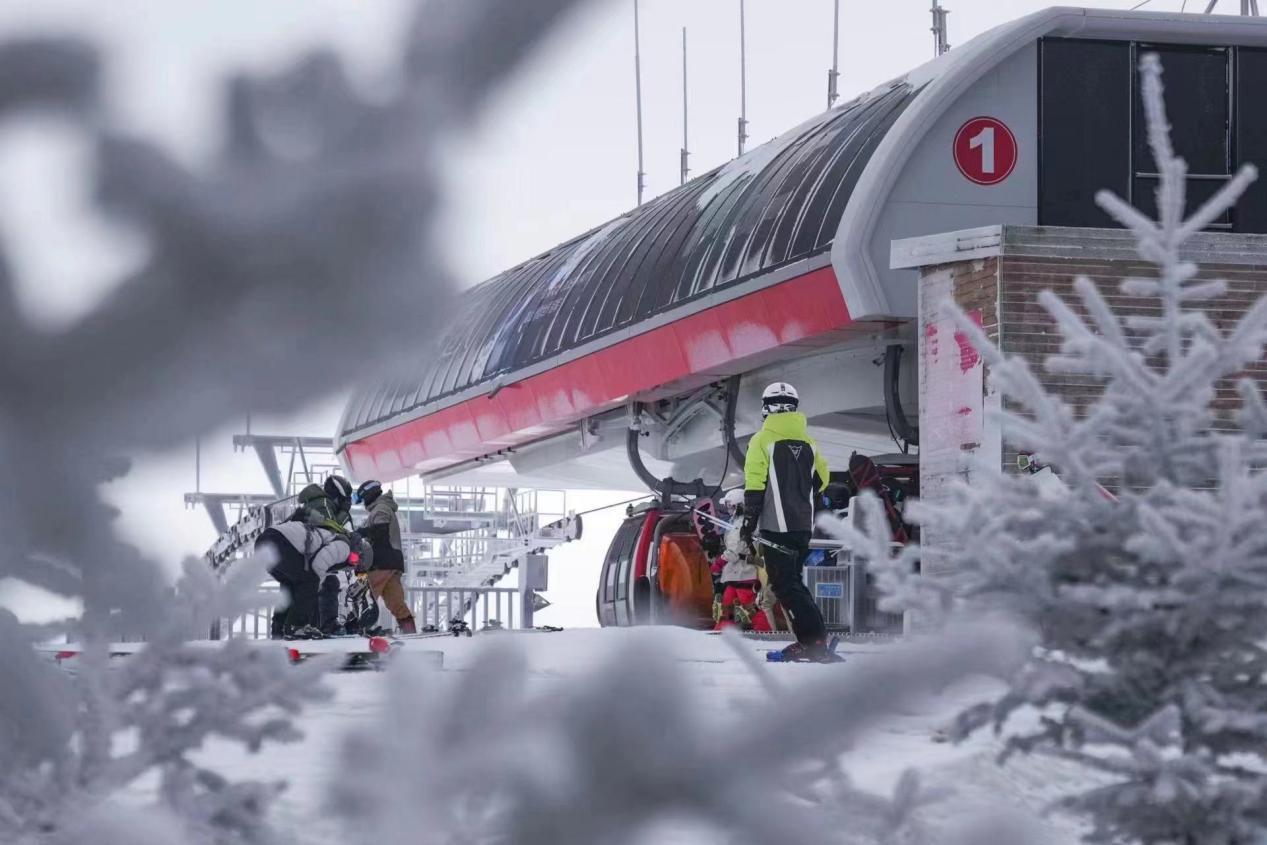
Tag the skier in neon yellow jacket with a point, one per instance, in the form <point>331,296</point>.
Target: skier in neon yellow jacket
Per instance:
<point>784,476</point>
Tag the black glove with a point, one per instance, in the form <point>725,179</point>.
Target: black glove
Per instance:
<point>748,528</point>
<point>711,542</point>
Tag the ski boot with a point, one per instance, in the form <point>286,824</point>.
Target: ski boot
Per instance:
<point>305,632</point>
<point>798,652</point>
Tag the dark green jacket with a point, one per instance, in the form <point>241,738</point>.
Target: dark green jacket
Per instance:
<point>316,509</point>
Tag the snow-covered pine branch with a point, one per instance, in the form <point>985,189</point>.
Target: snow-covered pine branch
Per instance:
<point>1150,606</point>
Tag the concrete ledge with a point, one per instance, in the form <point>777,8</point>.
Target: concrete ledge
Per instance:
<point>1206,248</point>
<point>946,248</point>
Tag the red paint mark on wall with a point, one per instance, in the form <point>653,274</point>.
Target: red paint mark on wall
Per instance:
<point>969,357</point>
<point>964,411</point>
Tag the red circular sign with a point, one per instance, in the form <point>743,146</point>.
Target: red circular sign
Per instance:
<point>985,150</point>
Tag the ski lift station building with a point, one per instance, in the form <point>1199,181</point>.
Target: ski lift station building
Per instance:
<point>638,351</point>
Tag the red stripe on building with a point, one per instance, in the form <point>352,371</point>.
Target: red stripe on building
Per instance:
<point>712,341</point>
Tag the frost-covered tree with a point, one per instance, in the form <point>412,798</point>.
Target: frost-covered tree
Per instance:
<point>73,740</point>
<point>307,235</point>
<point>1151,600</point>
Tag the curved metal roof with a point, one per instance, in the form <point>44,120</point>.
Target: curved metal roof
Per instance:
<point>779,203</point>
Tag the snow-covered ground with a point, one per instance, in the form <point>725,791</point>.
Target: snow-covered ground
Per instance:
<point>719,679</point>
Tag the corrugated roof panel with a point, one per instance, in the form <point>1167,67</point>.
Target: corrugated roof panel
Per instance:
<point>779,203</point>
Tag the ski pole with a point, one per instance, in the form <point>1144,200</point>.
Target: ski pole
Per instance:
<point>729,526</point>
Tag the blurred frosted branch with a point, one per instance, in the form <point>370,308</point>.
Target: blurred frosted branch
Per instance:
<point>631,746</point>
<point>273,272</point>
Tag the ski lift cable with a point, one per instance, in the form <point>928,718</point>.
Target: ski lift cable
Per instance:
<point>615,505</point>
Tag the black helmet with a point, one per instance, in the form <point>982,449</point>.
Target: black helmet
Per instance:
<point>338,488</point>
<point>367,492</point>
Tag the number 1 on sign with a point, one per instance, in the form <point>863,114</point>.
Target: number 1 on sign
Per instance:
<point>985,140</point>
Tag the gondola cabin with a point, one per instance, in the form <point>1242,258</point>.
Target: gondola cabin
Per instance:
<point>655,572</point>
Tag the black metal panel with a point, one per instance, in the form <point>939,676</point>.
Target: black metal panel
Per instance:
<point>781,203</point>
<point>1092,127</point>
<point>1251,136</point>
<point>1085,132</point>
<point>1199,107</point>
<point>1197,103</point>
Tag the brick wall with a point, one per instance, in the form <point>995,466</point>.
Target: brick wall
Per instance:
<point>1028,331</point>
<point>997,273</point>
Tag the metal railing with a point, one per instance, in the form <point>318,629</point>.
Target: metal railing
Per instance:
<point>254,624</point>
<point>476,606</point>
<point>848,599</point>
<point>479,607</point>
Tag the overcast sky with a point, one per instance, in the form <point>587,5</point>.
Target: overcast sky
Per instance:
<point>556,155</point>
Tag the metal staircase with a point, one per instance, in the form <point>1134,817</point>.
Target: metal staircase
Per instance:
<point>461,539</point>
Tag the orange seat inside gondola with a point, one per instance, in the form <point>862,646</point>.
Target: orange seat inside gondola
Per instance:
<point>685,582</point>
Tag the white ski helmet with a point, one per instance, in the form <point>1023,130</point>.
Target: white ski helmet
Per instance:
<point>779,398</point>
<point>733,500</point>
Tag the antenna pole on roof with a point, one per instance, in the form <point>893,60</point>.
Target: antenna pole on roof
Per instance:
<point>940,33</point>
<point>833,75</point>
<point>1249,8</point>
<point>685,147</point>
<point>743,80</point>
<point>638,95</point>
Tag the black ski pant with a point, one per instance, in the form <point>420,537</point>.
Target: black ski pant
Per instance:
<point>328,604</point>
<point>784,569</point>
<point>298,583</point>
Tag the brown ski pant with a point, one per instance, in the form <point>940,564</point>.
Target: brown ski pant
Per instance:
<point>386,584</point>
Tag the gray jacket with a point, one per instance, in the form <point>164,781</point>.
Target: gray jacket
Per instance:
<point>322,549</point>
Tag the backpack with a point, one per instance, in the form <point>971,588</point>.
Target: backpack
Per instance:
<point>360,608</point>
<point>865,475</point>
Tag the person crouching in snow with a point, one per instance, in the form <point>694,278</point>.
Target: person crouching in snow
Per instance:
<point>301,558</point>
<point>739,578</point>
<point>388,570</point>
